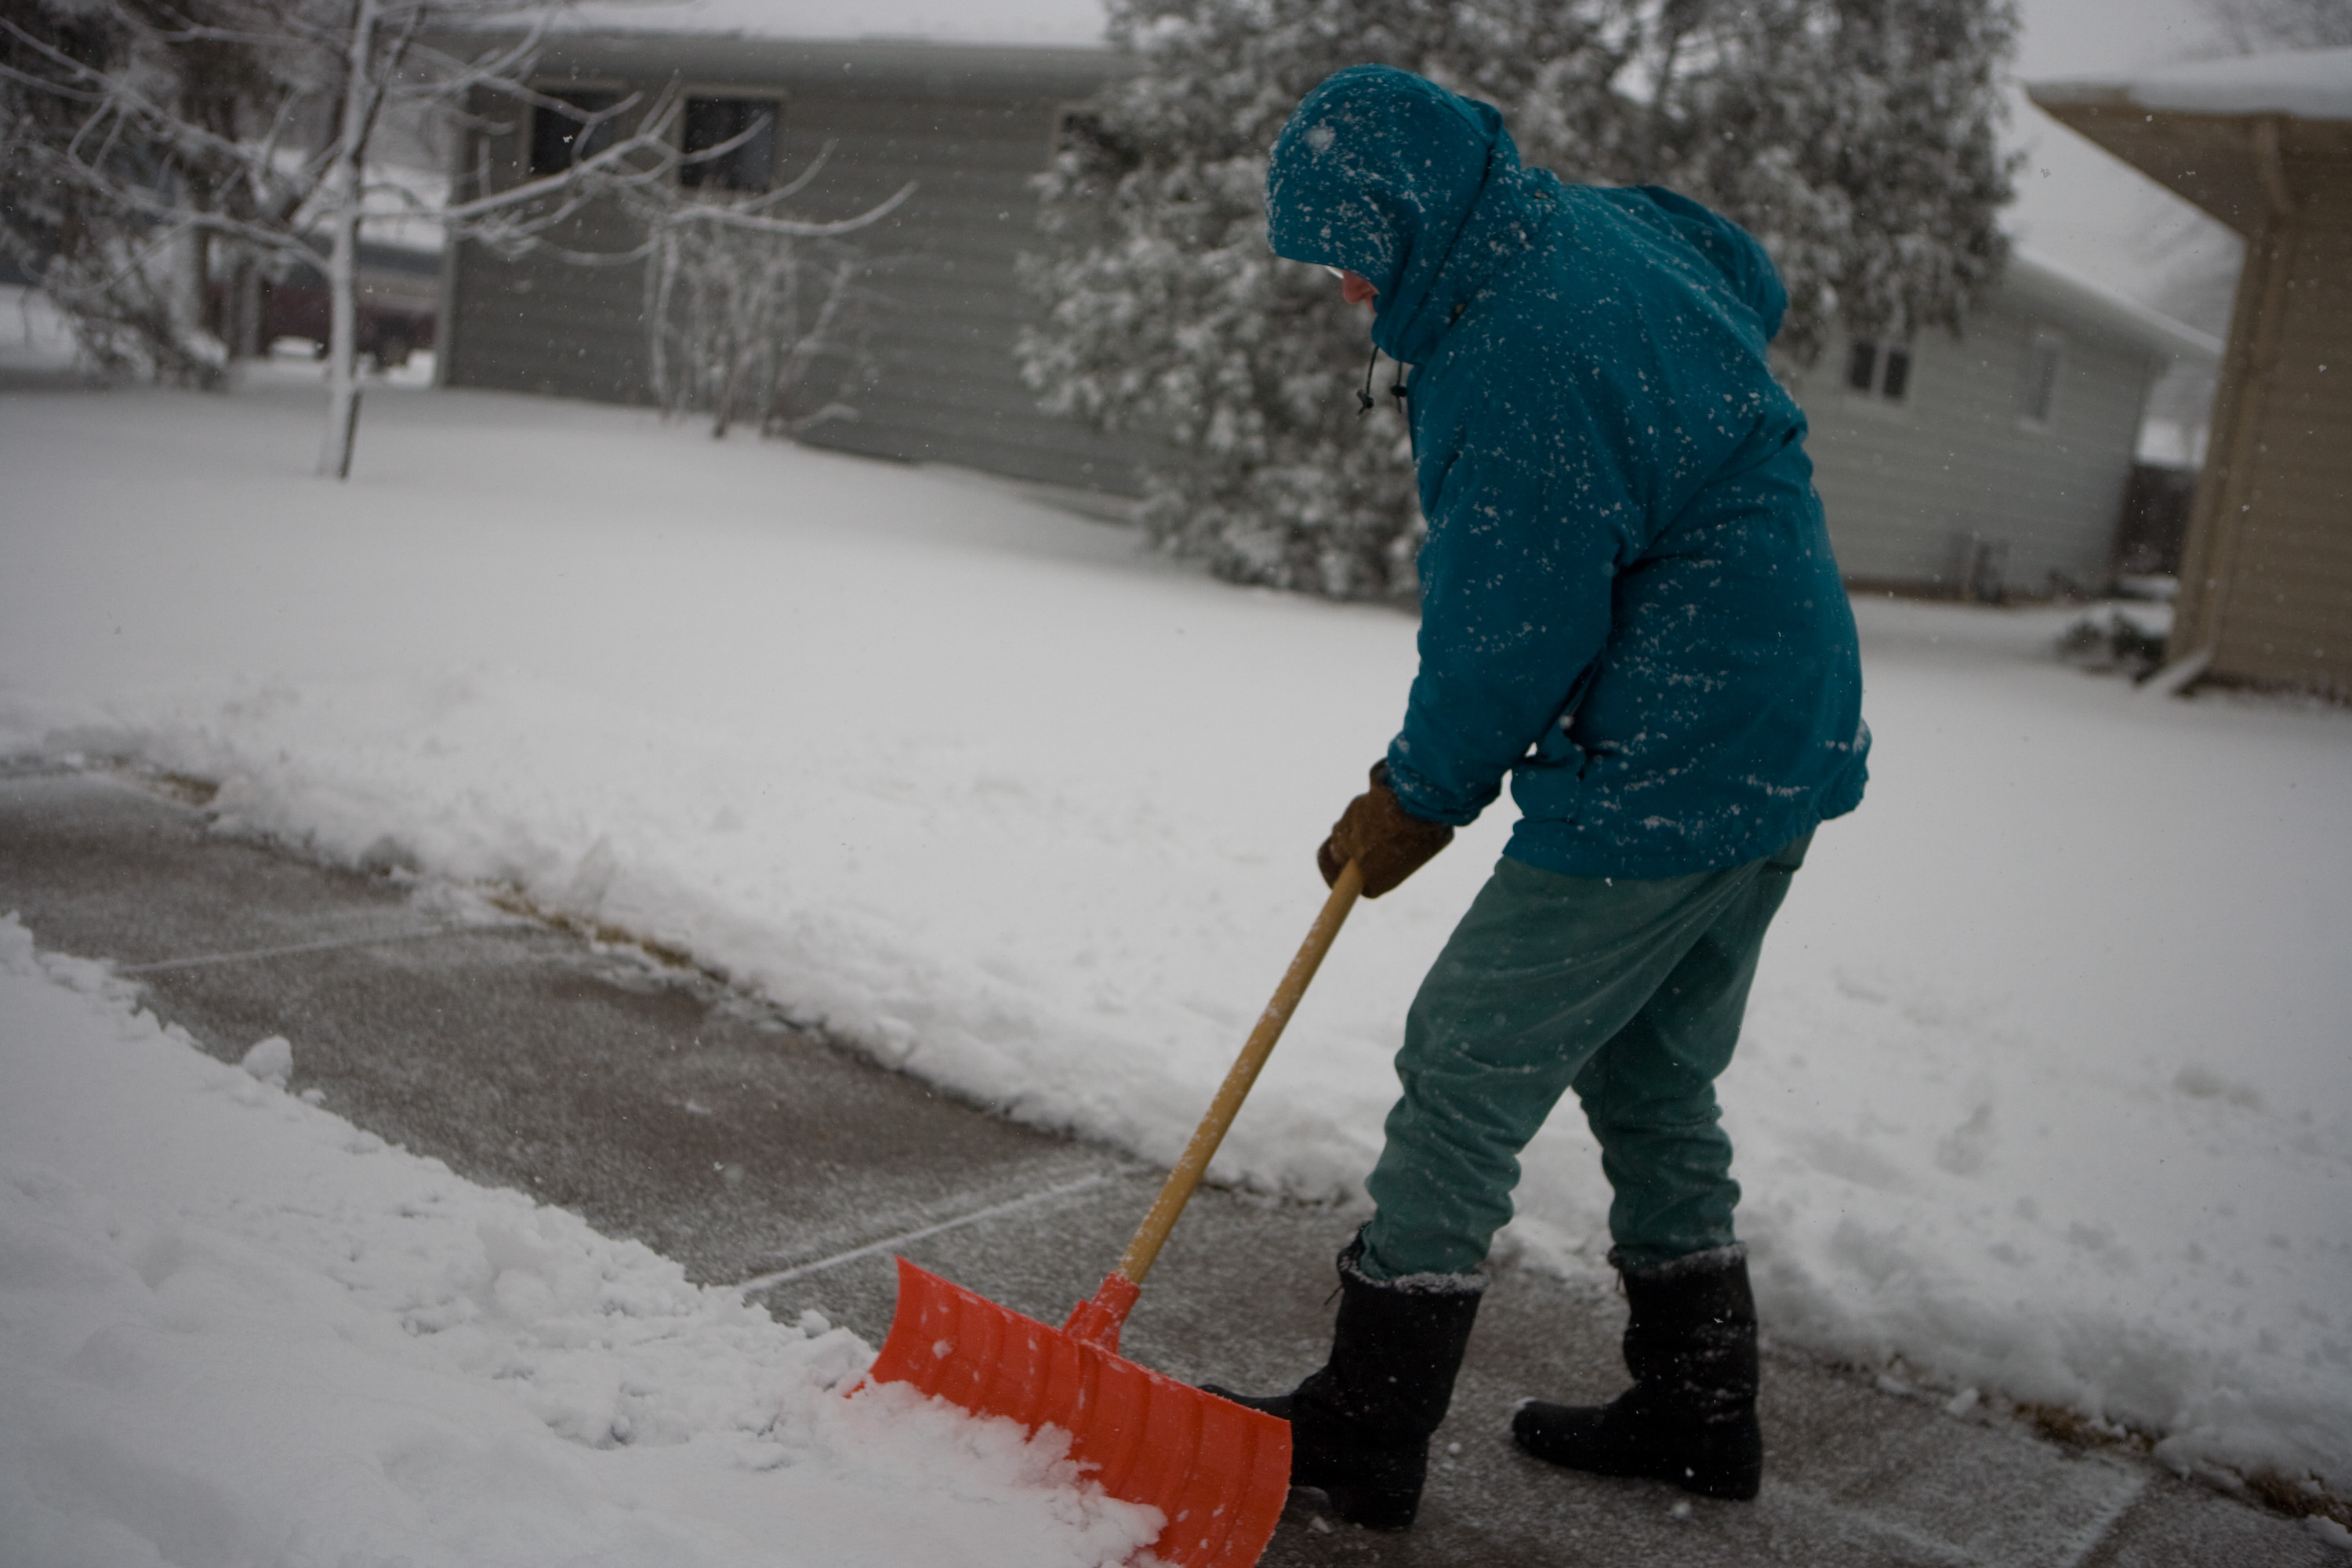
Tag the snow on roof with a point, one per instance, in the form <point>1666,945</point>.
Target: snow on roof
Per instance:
<point>1047,23</point>
<point>2311,84</point>
<point>2110,306</point>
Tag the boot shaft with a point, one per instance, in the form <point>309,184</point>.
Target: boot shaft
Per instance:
<point>1690,1329</point>
<point>1395,1350</point>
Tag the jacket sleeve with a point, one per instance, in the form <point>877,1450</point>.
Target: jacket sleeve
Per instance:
<point>1528,528</point>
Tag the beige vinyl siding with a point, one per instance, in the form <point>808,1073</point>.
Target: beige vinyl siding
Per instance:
<point>1913,489</point>
<point>2282,615</point>
<point>2267,570</point>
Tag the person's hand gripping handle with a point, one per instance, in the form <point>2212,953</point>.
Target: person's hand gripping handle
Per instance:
<point>1378,834</point>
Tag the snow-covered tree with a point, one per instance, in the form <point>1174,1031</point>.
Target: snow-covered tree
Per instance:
<point>1855,138</point>
<point>132,290</point>
<point>141,134</point>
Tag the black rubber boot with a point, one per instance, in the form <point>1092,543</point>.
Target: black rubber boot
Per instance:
<point>1690,1416</point>
<point>1359,1428</point>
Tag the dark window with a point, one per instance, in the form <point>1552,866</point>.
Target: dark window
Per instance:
<point>1862,365</point>
<point>564,132</point>
<point>1082,130</point>
<point>746,128</point>
<point>1884,371</point>
<point>1898,374</point>
<point>1085,144</point>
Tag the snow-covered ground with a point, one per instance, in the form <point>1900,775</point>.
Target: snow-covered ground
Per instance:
<point>236,1329</point>
<point>33,335</point>
<point>38,344</point>
<point>2044,1091</point>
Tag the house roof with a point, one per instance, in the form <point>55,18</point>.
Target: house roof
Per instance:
<point>2310,84</point>
<point>2038,280</point>
<point>924,67</point>
<point>2239,138</point>
<point>1052,22</point>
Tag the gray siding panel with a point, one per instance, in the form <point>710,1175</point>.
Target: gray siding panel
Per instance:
<point>1911,489</point>
<point>952,306</point>
<point>539,324</point>
<point>947,307</point>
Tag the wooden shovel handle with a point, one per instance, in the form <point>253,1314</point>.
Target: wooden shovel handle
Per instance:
<point>1136,1261</point>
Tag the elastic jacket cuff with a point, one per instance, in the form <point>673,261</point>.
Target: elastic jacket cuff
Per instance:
<point>1414,794</point>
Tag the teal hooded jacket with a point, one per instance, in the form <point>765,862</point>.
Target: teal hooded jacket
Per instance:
<point>1628,602</point>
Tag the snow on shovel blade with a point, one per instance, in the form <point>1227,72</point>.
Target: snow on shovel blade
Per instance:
<point>1218,1471</point>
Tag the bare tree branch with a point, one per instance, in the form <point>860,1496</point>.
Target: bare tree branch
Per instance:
<point>159,138</point>
<point>722,216</point>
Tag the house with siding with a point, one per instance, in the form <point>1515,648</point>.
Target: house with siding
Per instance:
<point>1984,466</point>
<point>968,124</point>
<point>2265,144</point>
<point>1995,462</point>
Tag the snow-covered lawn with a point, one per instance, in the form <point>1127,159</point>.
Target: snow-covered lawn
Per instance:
<point>2044,1089</point>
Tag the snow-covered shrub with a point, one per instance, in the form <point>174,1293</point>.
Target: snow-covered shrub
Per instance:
<point>749,324</point>
<point>128,280</point>
<point>2130,639</point>
<point>1856,140</point>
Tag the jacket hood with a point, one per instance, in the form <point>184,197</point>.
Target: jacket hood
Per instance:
<point>1421,191</point>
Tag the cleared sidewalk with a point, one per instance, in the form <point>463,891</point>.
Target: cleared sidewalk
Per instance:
<point>666,1108</point>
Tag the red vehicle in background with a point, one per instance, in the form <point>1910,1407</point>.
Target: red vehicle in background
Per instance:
<point>397,307</point>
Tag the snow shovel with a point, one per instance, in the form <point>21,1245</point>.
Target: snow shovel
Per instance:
<point>1218,1471</point>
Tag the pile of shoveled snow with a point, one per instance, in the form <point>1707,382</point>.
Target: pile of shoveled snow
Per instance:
<point>235,1329</point>
<point>2043,1087</point>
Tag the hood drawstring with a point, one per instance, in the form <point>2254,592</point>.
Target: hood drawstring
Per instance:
<point>1364,399</point>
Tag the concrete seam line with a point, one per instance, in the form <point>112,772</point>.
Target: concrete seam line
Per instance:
<point>1928,1545</point>
<point>766,1281</point>
<point>2095,1530</point>
<point>328,944</point>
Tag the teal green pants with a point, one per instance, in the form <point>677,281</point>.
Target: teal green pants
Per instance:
<point>1631,993</point>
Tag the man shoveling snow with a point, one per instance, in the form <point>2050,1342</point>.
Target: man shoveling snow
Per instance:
<point>1630,607</point>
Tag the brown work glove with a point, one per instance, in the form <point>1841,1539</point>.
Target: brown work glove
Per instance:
<point>1377,832</point>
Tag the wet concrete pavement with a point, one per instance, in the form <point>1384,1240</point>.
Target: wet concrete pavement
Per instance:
<point>663,1107</point>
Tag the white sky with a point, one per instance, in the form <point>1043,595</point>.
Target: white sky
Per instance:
<point>2076,205</point>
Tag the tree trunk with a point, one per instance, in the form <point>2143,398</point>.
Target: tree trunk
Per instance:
<point>343,261</point>
<point>245,304</point>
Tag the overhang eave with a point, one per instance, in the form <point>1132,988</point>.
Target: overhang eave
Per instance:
<point>2216,162</point>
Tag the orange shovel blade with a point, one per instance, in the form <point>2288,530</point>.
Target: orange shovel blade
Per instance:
<point>1218,1470</point>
